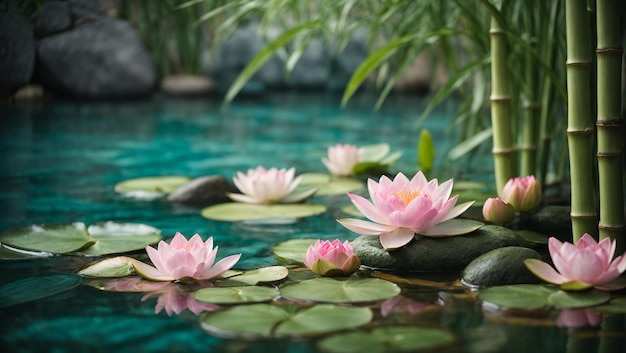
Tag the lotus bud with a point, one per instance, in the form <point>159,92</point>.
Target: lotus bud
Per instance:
<point>342,158</point>
<point>523,193</point>
<point>497,211</point>
<point>332,259</point>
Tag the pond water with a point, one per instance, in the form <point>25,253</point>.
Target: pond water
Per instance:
<point>61,159</point>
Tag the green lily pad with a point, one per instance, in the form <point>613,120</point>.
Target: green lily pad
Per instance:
<point>236,295</point>
<point>376,152</point>
<point>120,266</point>
<point>115,238</point>
<point>253,277</point>
<point>155,184</point>
<point>352,211</point>
<point>237,211</point>
<point>387,339</point>
<point>615,306</point>
<point>576,300</point>
<point>454,227</point>
<point>10,253</point>
<point>279,321</point>
<point>339,186</point>
<point>533,237</point>
<point>33,288</point>
<point>520,296</point>
<point>57,238</point>
<point>292,251</point>
<point>342,290</point>
<point>313,179</point>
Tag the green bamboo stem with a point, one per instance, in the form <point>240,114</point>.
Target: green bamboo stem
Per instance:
<point>530,134</point>
<point>609,122</point>
<point>500,102</point>
<point>579,122</point>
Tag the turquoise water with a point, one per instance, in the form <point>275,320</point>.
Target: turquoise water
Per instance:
<point>60,161</point>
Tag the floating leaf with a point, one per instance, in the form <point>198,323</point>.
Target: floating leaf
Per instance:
<point>114,238</point>
<point>10,253</point>
<point>615,306</point>
<point>352,210</point>
<point>292,251</point>
<point>522,296</point>
<point>314,179</point>
<point>261,275</point>
<point>339,186</point>
<point>33,288</point>
<point>533,237</point>
<point>236,295</point>
<point>453,227</point>
<point>276,321</point>
<point>58,239</point>
<point>342,290</point>
<point>387,339</point>
<point>236,211</point>
<point>576,300</point>
<point>120,266</point>
<point>374,153</point>
<point>156,184</point>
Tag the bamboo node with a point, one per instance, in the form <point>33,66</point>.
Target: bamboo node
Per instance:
<point>496,32</point>
<point>528,148</point>
<point>578,63</point>
<point>612,228</point>
<point>617,51</point>
<point>610,123</point>
<point>583,217</point>
<point>502,151</point>
<point>579,132</point>
<point>494,98</point>
<point>609,154</point>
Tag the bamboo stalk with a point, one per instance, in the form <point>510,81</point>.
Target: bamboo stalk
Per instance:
<point>500,102</point>
<point>609,122</point>
<point>579,122</point>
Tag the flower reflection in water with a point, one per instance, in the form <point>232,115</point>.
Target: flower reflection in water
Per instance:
<point>175,299</point>
<point>574,318</point>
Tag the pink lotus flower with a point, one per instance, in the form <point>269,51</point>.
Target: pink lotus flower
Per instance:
<point>267,186</point>
<point>182,260</point>
<point>497,211</point>
<point>523,193</point>
<point>573,318</point>
<point>332,258</point>
<point>175,300</point>
<point>584,265</point>
<point>401,208</point>
<point>342,158</point>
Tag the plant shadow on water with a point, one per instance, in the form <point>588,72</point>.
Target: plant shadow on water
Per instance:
<point>60,163</point>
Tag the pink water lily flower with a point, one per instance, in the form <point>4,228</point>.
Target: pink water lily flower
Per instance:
<point>523,193</point>
<point>497,211</point>
<point>268,186</point>
<point>401,208</point>
<point>342,158</point>
<point>334,258</point>
<point>182,260</point>
<point>584,265</point>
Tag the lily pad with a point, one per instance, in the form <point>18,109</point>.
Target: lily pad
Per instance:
<point>339,186</point>
<point>352,211</point>
<point>279,321</point>
<point>375,153</point>
<point>292,251</point>
<point>156,184</point>
<point>615,306</point>
<point>236,211</point>
<point>261,275</point>
<point>520,296</point>
<point>533,237</point>
<point>120,266</point>
<point>33,288</point>
<point>236,295</point>
<point>343,290</point>
<point>314,179</point>
<point>56,238</point>
<point>575,300</point>
<point>454,227</point>
<point>10,253</point>
<point>387,339</point>
<point>114,238</point>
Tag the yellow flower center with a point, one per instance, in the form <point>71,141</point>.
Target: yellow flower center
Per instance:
<point>407,195</point>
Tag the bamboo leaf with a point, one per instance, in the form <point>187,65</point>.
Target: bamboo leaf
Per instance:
<point>469,144</point>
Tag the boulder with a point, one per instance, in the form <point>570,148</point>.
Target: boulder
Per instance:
<point>553,221</point>
<point>204,191</point>
<point>500,267</point>
<point>312,69</point>
<point>98,59</point>
<point>17,49</point>
<point>53,17</point>
<point>425,254</point>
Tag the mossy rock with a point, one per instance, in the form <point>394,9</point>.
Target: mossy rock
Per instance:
<point>500,267</point>
<point>435,254</point>
<point>553,221</point>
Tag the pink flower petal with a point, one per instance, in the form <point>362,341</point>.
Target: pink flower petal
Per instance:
<point>366,208</point>
<point>360,226</point>
<point>151,273</point>
<point>396,238</point>
<point>242,198</point>
<point>544,271</point>
<point>220,267</point>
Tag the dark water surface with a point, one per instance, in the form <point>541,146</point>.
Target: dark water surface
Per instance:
<point>59,162</point>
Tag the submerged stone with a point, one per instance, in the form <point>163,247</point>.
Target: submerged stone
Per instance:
<point>204,191</point>
<point>501,266</point>
<point>435,254</point>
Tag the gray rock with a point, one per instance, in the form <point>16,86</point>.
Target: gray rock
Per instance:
<point>88,9</point>
<point>435,254</point>
<point>53,17</point>
<point>17,49</point>
<point>313,68</point>
<point>99,59</point>
<point>203,191</point>
<point>553,221</point>
<point>501,266</point>
<point>345,63</point>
